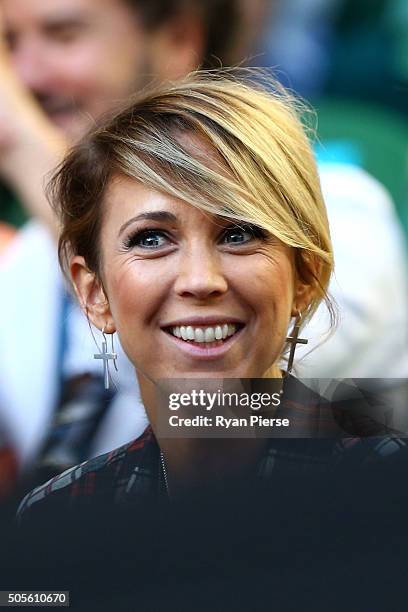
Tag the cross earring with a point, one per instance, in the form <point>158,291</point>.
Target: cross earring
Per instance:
<point>105,356</point>
<point>294,340</point>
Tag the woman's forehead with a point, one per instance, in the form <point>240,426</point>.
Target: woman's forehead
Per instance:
<point>127,198</point>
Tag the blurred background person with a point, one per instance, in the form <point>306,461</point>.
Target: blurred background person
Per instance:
<point>69,62</point>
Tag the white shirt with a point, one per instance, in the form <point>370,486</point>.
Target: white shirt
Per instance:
<point>370,284</point>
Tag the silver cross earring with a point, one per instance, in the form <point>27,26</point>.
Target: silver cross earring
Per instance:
<point>106,357</point>
<point>294,339</point>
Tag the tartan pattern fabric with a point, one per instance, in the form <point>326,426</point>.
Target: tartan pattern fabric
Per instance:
<point>133,473</point>
<point>130,472</point>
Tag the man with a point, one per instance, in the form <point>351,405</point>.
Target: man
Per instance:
<point>78,59</point>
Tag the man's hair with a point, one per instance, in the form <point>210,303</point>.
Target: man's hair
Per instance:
<point>219,19</point>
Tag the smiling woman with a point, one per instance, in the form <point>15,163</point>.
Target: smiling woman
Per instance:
<point>202,197</point>
<point>193,225</point>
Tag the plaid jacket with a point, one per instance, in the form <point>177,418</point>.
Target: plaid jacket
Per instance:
<point>133,473</point>
<point>130,471</point>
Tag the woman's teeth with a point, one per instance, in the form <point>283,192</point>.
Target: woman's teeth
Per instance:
<point>204,334</point>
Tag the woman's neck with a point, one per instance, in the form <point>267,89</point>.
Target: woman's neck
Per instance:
<point>200,462</point>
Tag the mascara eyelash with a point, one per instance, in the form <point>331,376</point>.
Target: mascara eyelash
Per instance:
<point>255,230</point>
<point>131,240</point>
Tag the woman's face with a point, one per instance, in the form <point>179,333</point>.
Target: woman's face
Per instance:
<point>192,295</point>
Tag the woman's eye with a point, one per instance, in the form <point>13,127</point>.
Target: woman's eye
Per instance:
<point>239,235</point>
<point>147,240</point>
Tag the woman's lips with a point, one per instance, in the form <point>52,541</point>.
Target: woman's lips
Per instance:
<point>207,334</point>
<point>205,351</point>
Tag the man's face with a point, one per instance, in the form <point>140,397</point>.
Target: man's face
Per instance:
<point>79,58</point>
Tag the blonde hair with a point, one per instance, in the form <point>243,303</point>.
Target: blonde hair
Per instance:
<point>266,175</point>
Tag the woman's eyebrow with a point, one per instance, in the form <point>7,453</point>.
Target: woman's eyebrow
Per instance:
<point>156,215</point>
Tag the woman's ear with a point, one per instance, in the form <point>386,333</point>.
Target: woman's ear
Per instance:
<point>91,295</point>
<point>306,285</point>
<point>303,297</point>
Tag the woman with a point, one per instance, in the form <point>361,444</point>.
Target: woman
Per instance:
<point>193,226</point>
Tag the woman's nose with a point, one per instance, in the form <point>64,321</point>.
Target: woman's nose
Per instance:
<point>200,274</point>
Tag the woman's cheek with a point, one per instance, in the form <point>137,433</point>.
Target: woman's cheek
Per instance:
<point>136,289</point>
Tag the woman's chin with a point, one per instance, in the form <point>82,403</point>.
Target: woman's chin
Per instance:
<point>210,371</point>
